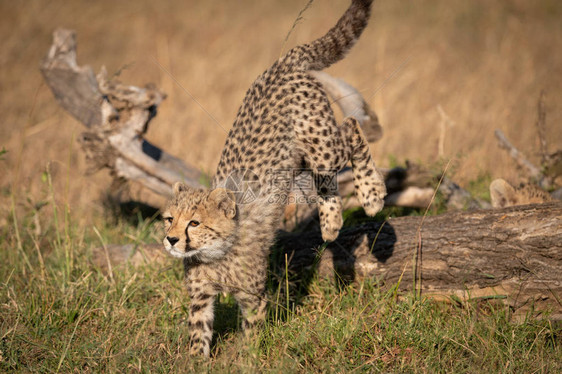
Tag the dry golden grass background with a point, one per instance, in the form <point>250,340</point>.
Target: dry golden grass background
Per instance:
<point>484,63</point>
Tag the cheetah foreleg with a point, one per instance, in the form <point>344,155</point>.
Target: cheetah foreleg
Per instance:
<point>200,322</point>
<point>330,212</point>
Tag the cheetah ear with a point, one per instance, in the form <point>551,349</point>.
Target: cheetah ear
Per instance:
<point>223,199</point>
<point>502,194</point>
<point>179,187</point>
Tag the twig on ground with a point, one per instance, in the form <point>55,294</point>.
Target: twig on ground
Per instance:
<point>519,158</point>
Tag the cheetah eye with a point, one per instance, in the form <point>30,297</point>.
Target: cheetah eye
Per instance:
<point>193,223</point>
<point>169,219</point>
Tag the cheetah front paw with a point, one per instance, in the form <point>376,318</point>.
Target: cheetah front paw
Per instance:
<point>372,207</point>
<point>372,199</point>
<point>331,234</point>
<point>331,228</point>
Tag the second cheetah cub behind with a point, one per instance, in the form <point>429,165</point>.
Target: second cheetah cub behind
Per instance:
<point>504,194</point>
<point>284,128</point>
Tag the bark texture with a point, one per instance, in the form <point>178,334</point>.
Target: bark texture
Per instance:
<point>512,254</point>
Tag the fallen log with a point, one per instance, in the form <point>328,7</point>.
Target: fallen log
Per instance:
<point>512,254</point>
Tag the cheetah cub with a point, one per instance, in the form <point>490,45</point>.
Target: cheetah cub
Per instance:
<point>504,194</point>
<point>285,127</point>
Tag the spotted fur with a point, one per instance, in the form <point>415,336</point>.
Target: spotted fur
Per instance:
<point>504,194</point>
<point>285,123</point>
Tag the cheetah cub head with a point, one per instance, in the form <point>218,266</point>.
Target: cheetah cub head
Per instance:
<point>504,194</point>
<point>200,224</point>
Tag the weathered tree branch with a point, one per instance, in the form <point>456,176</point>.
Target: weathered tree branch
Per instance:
<point>117,118</point>
<point>75,88</point>
<point>551,163</point>
<point>352,104</point>
<point>519,158</point>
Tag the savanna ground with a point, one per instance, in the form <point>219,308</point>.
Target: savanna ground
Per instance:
<point>480,64</point>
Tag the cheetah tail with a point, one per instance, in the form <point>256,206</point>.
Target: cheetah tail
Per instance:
<point>334,45</point>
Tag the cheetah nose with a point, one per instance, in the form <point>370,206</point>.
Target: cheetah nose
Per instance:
<point>172,239</point>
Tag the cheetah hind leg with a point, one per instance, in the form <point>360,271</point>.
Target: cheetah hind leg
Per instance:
<point>368,182</point>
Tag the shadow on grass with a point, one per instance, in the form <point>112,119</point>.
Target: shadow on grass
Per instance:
<point>298,258</point>
<point>227,319</point>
